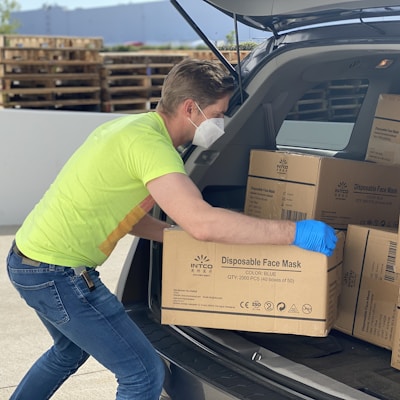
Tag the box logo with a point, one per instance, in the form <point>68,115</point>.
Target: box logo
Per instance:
<point>282,167</point>
<point>341,191</point>
<point>201,266</point>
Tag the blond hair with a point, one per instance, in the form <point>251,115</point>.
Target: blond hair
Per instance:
<point>201,80</point>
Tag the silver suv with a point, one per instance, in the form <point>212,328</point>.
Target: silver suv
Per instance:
<point>311,86</point>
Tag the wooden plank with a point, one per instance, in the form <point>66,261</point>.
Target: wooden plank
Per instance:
<point>49,103</point>
<point>49,41</point>
<point>55,84</point>
<point>116,67</point>
<point>113,78</point>
<point>49,54</point>
<point>143,57</point>
<point>44,69</point>
<point>142,80</point>
<point>58,90</point>
<point>130,89</point>
<point>53,62</point>
<point>51,76</point>
<point>44,50</point>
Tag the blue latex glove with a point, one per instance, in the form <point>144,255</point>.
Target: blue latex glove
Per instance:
<point>316,236</point>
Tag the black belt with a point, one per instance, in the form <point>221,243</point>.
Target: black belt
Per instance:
<point>81,271</point>
<point>25,260</point>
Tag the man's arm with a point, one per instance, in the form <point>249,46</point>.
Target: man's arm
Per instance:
<point>149,228</point>
<point>181,200</point>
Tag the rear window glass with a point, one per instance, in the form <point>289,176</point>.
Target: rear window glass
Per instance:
<point>324,117</point>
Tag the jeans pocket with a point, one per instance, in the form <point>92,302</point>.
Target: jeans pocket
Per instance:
<point>45,299</point>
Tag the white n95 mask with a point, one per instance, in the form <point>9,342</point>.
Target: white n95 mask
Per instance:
<point>208,132</point>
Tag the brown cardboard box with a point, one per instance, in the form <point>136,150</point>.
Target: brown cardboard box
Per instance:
<point>295,186</point>
<point>384,141</point>
<point>368,298</point>
<point>282,289</point>
<point>395,362</point>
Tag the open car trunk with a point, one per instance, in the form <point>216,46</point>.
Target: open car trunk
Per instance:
<point>319,76</point>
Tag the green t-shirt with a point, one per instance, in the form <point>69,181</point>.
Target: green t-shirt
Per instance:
<point>100,193</point>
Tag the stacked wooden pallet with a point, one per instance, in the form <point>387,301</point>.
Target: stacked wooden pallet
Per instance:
<point>71,73</point>
<point>338,100</point>
<point>131,82</point>
<point>49,72</point>
<point>230,55</point>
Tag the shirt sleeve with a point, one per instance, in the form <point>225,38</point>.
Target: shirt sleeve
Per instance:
<point>153,156</point>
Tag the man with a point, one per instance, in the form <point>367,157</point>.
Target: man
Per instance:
<point>105,191</point>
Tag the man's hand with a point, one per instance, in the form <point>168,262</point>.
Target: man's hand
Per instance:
<point>316,236</point>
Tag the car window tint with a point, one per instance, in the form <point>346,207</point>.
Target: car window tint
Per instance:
<point>324,117</point>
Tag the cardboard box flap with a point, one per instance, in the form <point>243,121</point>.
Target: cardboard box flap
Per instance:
<point>285,166</point>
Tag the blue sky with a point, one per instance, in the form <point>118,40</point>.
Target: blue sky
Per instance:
<point>71,4</point>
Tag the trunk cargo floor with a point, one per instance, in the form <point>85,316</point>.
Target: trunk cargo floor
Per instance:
<point>354,362</point>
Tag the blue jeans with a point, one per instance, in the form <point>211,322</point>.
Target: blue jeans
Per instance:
<point>82,323</point>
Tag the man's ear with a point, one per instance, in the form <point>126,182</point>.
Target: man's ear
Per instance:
<point>188,107</point>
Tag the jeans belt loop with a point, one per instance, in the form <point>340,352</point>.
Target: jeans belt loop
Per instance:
<point>83,273</point>
<point>78,270</point>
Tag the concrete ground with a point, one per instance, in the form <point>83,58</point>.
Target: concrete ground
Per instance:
<point>23,339</point>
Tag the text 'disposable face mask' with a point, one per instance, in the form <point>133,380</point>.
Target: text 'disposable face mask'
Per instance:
<point>209,131</point>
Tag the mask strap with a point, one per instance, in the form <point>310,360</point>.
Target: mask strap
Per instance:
<point>192,122</point>
<point>200,110</point>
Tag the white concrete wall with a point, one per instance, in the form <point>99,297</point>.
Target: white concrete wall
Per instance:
<point>34,145</point>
